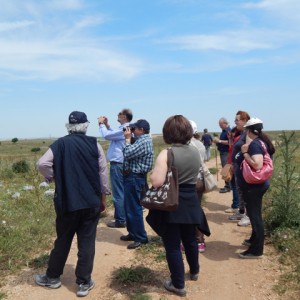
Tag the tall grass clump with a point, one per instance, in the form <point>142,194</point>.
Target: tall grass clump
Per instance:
<point>282,213</point>
<point>283,210</point>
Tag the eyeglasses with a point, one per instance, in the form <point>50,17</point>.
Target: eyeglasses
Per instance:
<point>236,120</point>
<point>120,113</point>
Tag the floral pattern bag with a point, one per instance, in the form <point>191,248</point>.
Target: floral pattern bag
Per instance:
<point>166,196</point>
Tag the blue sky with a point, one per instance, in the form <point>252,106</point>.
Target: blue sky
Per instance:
<point>203,59</point>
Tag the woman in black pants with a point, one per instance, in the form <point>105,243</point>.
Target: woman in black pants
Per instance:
<point>254,153</point>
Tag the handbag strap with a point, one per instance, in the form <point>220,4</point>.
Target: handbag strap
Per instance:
<point>170,158</point>
<point>264,147</point>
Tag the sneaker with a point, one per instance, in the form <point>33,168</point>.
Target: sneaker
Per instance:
<point>44,280</point>
<point>224,190</point>
<point>245,221</point>
<point>248,255</point>
<point>201,247</point>
<point>231,210</point>
<point>194,277</point>
<point>236,217</point>
<point>84,289</point>
<point>171,288</point>
<point>116,225</point>
<point>246,243</point>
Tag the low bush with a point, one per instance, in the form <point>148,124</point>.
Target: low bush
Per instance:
<point>21,166</point>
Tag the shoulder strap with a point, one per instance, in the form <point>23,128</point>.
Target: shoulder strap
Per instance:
<point>170,158</point>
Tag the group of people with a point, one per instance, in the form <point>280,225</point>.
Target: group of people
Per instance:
<point>78,166</point>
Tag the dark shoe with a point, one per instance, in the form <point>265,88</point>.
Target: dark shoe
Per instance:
<point>224,190</point>
<point>135,245</point>
<point>126,238</point>
<point>84,289</point>
<point>171,288</point>
<point>115,225</point>
<point>44,280</point>
<point>248,255</point>
<point>246,243</point>
<point>194,277</point>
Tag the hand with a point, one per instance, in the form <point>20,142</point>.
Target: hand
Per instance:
<point>127,133</point>
<point>103,203</point>
<point>102,120</point>
<point>244,148</point>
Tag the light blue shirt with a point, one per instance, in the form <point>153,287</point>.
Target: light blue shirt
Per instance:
<point>117,142</point>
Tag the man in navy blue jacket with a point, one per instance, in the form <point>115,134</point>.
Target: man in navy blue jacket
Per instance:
<point>77,165</point>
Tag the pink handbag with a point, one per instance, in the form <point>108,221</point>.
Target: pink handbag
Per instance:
<point>252,176</point>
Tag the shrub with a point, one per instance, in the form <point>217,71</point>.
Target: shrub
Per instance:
<point>21,166</point>
<point>36,149</point>
<point>282,208</point>
<point>14,140</point>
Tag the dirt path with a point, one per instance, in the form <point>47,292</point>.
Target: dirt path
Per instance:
<point>223,274</point>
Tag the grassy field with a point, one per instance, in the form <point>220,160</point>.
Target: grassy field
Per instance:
<point>27,214</point>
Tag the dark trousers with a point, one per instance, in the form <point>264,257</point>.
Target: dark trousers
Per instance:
<point>253,200</point>
<point>174,234</point>
<point>83,223</point>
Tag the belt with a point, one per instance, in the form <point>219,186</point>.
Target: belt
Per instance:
<point>116,163</point>
<point>130,172</point>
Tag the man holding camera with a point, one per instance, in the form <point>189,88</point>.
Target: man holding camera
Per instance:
<point>138,160</point>
<point>115,157</point>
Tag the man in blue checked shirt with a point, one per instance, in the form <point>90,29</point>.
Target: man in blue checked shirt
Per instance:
<point>138,161</point>
<point>115,157</point>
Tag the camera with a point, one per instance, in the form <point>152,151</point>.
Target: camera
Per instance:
<point>131,128</point>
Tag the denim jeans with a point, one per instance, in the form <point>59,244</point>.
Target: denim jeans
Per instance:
<point>207,153</point>
<point>84,223</point>
<point>224,160</point>
<point>134,184</point>
<point>117,186</point>
<point>253,200</point>
<point>235,194</point>
<point>174,234</point>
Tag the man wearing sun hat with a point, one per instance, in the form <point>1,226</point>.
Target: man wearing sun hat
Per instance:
<point>138,161</point>
<point>77,165</point>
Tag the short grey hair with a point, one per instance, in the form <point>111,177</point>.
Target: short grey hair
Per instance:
<point>79,128</point>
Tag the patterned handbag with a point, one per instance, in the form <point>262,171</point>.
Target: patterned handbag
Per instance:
<point>252,176</point>
<point>166,196</point>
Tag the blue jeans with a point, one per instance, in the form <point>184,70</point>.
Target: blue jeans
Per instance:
<point>134,184</point>
<point>235,194</point>
<point>174,234</point>
<point>207,153</point>
<point>117,186</point>
<point>83,223</point>
<point>253,200</point>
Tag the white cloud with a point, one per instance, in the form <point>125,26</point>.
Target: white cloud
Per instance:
<point>8,26</point>
<point>53,60</point>
<point>286,10</point>
<point>232,41</point>
<point>65,4</point>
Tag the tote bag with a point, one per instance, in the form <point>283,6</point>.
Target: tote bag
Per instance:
<point>252,176</point>
<point>210,183</point>
<point>166,196</point>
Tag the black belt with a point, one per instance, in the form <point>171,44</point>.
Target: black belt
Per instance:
<point>128,172</point>
<point>115,163</point>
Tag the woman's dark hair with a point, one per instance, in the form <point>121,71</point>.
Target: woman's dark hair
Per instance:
<point>177,130</point>
<point>257,130</point>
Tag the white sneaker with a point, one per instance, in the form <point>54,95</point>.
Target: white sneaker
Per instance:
<point>245,221</point>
